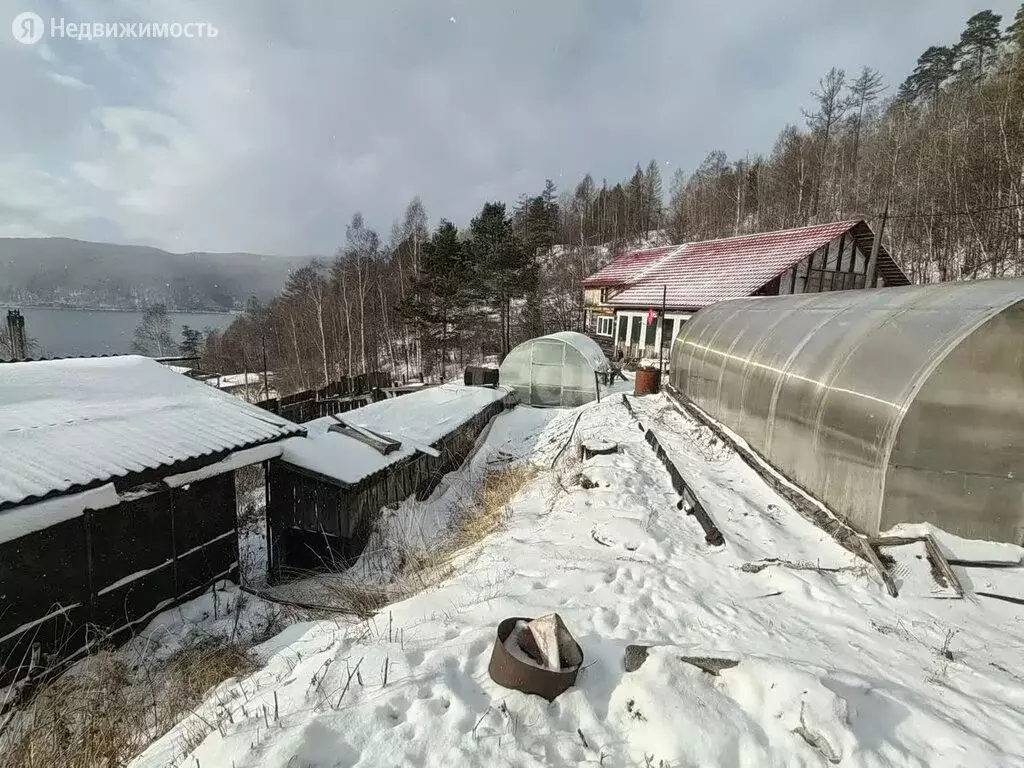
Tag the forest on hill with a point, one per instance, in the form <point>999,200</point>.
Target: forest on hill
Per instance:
<point>943,151</point>
<point>61,272</point>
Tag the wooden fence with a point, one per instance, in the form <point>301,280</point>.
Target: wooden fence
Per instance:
<point>99,576</point>
<point>337,397</point>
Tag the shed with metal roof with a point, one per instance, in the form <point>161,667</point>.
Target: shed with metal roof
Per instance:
<point>901,405</point>
<point>117,498</point>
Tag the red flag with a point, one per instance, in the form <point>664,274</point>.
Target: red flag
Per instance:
<point>650,317</point>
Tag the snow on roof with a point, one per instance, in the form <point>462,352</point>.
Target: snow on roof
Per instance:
<point>628,267</point>
<point>700,274</point>
<point>75,422</point>
<point>416,419</point>
<point>229,380</point>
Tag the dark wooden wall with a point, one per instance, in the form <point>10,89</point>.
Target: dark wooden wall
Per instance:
<point>104,574</point>
<point>316,524</point>
<point>337,397</point>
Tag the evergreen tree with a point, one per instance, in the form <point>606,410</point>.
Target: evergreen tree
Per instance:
<point>934,67</point>
<point>979,43</point>
<point>153,334</point>
<point>1015,32</point>
<point>537,220</point>
<point>441,291</point>
<point>505,270</point>
<point>191,342</point>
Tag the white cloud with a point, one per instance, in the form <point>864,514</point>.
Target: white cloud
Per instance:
<point>67,80</point>
<point>271,135</point>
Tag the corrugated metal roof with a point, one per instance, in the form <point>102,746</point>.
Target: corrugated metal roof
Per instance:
<point>71,423</point>
<point>700,274</point>
<point>417,419</point>
<point>628,267</point>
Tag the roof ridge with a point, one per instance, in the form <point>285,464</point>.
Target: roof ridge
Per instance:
<point>851,222</point>
<point>676,250</point>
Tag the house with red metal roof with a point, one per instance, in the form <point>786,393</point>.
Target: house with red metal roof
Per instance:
<point>625,300</point>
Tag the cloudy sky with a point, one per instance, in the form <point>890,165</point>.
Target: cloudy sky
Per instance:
<point>269,136</point>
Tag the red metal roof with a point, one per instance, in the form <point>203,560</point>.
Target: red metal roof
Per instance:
<point>628,267</point>
<point>699,274</point>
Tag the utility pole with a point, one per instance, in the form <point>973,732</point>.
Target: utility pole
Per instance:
<point>661,345</point>
<point>266,386</point>
<point>873,261</point>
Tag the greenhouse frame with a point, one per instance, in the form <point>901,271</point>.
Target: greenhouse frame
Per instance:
<point>897,405</point>
<point>558,370</point>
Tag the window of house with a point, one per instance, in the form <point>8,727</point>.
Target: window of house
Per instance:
<point>842,274</point>
<point>832,258</point>
<point>800,285</point>
<point>667,333</point>
<point>846,262</point>
<point>623,321</point>
<point>634,330</point>
<point>605,326</point>
<point>652,332</point>
<point>860,264</point>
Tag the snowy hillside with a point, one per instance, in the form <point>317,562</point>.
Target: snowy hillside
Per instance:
<point>832,670</point>
<point>602,254</point>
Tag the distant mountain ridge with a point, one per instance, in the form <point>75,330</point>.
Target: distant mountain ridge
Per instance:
<point>58,271</point>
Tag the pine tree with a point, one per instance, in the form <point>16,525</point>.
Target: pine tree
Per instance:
<point>440,292</point>
<point>505,270</point>
<point>979,43</point>
<point>153,334</point>
<point>191,342</point>
<point>934,67</point>
<point>1015,32</point>
<point>536,220</point>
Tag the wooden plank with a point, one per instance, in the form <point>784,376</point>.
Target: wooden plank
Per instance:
<point>872,557</point>
<point>936,556</point>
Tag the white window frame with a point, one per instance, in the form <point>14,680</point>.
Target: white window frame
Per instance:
<point>609,322</point>
<point>626,316</point>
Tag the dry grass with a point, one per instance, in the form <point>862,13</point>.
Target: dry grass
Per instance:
<point>109,708</point>
<point>482,509</point>
<point>192,672</point>
<point>107,712</point>
<point>486,512</point>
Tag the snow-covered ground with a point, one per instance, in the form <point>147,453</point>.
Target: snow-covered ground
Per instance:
<point>831,668</point>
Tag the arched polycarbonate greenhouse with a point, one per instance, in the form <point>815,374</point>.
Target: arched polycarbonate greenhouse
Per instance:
<point>561,369</point>
<point>890,406</point>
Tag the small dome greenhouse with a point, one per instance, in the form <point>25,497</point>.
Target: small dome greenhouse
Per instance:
<point>558,370</point>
